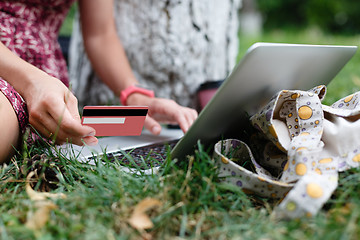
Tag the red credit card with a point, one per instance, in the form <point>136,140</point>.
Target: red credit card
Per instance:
<point>115,120</point>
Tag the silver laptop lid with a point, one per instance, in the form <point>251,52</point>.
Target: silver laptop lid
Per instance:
<point>265,69</point>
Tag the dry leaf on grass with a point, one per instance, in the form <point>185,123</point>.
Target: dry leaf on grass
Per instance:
<point>139,218</point>
<point>38,219</point>
<point>42,203</point>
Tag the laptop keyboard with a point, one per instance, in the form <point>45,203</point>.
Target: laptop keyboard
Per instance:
<point>141,158</point>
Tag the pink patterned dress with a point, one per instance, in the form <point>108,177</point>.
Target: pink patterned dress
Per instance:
<point>30,28</point>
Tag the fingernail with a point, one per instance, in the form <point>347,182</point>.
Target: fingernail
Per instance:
<point>156,130</point>
<point>92,142</point>
<point>92,134</point>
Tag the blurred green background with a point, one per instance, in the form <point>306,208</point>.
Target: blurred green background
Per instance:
<point>332,16</point>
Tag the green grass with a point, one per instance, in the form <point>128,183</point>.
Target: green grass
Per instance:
<point>100,199</point>
<point>67,26</point>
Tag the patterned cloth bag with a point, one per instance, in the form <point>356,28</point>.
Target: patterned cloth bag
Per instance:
<point>303,145</point>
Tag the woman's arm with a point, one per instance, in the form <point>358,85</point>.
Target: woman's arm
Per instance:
<point>109,60</point>
<point>51,106</point>
<point>103,46</point>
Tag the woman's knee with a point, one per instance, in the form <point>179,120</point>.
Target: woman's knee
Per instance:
<point>9,129</point>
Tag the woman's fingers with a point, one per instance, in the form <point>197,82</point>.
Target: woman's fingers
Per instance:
<point>72,105</point>
<point>168,111</point>
<point>51,129</point>
<point>70,127</point>
<point>163,110</point>
<point>189,116</point>
<point>54,120</point>
<point>153,126</point>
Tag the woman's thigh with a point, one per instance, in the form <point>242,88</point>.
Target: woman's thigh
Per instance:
<point>9,129</point>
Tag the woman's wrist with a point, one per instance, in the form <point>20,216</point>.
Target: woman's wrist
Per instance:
<point>30,80</point>
<point>134,93</point>
<point>138,99</point>
<point>19,73</point>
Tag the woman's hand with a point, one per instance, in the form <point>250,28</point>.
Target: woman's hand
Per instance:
<point>53,112</point>
<point>163,111</point>
<point>52,108</point>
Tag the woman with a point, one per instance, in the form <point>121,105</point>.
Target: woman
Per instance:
<point>33,76</point>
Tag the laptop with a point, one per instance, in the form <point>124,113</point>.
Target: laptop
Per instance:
<point>265,69</point>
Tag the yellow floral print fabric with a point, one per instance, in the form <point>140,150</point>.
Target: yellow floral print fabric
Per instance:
<point>305,144</point>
